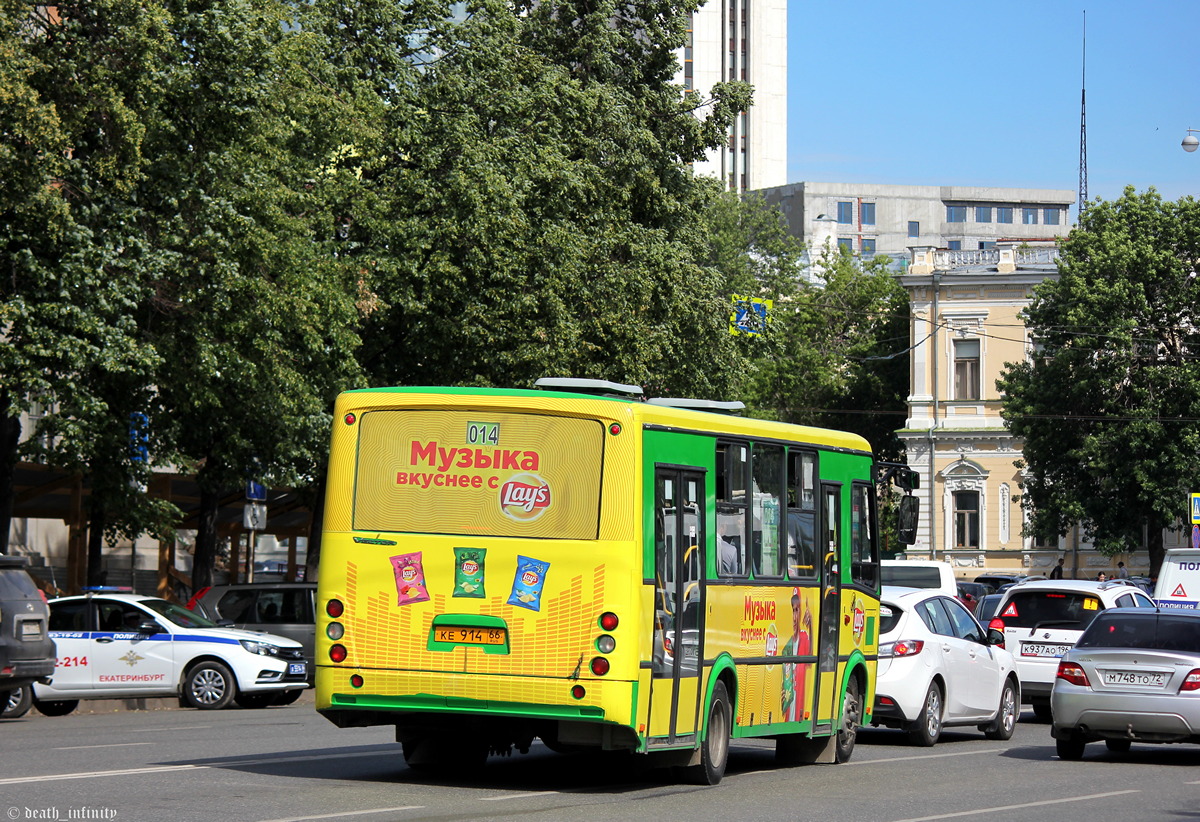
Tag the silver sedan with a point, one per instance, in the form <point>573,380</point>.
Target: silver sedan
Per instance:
<point>1133,676</point>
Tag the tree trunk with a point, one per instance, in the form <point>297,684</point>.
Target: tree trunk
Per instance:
<point>1154,546</point>
<point>10,437</point>
<point>205,558</point>
<point>96,575</point>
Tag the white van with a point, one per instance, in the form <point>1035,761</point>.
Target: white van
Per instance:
<point>1178,583</point>
<point>919,573</point>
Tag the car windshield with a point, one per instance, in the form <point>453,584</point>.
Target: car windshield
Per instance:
<point>1073,610</point>
<point>918,576</point>
<point>1152,631</point>
<point>177,614</point>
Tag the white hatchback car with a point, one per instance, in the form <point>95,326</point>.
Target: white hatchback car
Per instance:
<point>936,669</point>
<point>126,646</point>
<point>1040,620</point>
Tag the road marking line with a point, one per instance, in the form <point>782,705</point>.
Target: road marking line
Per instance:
<point>233,763</point>
<point>515,796</point>
<point>112,745</point>
<point>17,780</point>
<point>894,759</point>
<point>170,730</point>
<point>1018,807</point>
<point>348,813</point>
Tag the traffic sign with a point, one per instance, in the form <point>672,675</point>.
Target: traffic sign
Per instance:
<point>255,492</point>
<point>254,516</point>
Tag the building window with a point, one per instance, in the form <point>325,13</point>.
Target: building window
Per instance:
<point>1029,216</point>
<point>846,243</point>
<point>984,245</point>
<point>983,214</point>
<point>966,519</point>
<point>966,369</point>
<point>866,213</point>
<point>1004,214</point>
<point>1051,215</point>
<point>845,213</point>
<point>914,228</point>
<point>956,214</point>
<point>868,247</point>
<point>954,245</point>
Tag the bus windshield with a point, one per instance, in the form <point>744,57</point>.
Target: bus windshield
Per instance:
<point>495,474</point>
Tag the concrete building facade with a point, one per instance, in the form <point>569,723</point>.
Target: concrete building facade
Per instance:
<point>871,219</point>
<point>736,40</point>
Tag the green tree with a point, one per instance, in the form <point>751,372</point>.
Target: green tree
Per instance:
<point>77,83</point>
<point>252,313</point>
<point>526,209</point>
<point>1108,407</point>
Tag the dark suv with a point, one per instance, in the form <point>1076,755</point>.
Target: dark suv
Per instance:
<point>27,652</point>
<point>283,608</point>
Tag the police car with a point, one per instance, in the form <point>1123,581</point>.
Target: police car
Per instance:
<point>116,645</point>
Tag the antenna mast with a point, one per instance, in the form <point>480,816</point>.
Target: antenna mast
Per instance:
<point>1083,192</point>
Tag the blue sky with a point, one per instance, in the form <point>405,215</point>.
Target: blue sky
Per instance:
<point>959,92</point>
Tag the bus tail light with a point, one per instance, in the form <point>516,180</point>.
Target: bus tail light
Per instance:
<point>609,621</point>
<point>605,644</point>
<point>578,692</point>
<point>1074,674</point>
<point>337,653</point>
<point>334,608</point>
<point>599,666</point>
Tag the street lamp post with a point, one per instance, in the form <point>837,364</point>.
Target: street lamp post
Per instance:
<point>1190,143</point>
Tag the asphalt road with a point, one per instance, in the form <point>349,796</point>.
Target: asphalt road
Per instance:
<point>290,765</point>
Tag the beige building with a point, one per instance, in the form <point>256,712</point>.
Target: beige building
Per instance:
<point>966,324</point>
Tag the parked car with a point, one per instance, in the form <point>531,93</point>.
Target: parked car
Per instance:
<point>1133,676</point>
<point>919,573</point>
<point>113,645</point>
<point>969,593</point>
<point>937,669</point>
<point>986,607</point>
<point>283,608</point>
<point>26,650</point>
<point>994,581</point>
<point>1040,620</point>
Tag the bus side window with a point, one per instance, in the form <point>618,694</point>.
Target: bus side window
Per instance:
<point>801,515</point>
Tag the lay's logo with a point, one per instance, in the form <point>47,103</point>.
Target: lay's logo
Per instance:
<point>525,497</point>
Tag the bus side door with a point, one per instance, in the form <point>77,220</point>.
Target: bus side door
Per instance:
<point>830,546</point>
<point>679,605</point>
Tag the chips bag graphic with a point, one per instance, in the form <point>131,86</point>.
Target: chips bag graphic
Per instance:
<point>468,572</point>
<point>410,578</point>
<point>527,583</point>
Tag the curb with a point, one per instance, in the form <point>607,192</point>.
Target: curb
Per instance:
<point>110,706</point>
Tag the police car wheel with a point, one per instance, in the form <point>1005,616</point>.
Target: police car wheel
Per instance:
<point>55,707</point>
<point>209,686</point>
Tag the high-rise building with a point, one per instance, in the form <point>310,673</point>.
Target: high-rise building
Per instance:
<point>739,40</point>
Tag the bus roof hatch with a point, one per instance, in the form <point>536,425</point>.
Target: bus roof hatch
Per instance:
<point>585,386</point>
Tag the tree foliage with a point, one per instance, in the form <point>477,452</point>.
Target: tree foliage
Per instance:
<point>1108,407</point>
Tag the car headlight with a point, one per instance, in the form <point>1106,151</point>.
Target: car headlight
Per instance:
<point>259,647</point>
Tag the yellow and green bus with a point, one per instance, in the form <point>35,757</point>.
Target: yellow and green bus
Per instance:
<point>576,564</point>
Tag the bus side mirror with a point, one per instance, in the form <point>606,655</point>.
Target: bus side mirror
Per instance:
<point>906,525</point>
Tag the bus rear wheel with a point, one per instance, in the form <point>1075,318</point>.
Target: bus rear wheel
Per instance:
<point>851,718</point>
<point>714,750</point>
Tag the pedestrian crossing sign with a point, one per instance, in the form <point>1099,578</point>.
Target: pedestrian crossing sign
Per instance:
<point>1196,508</point>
